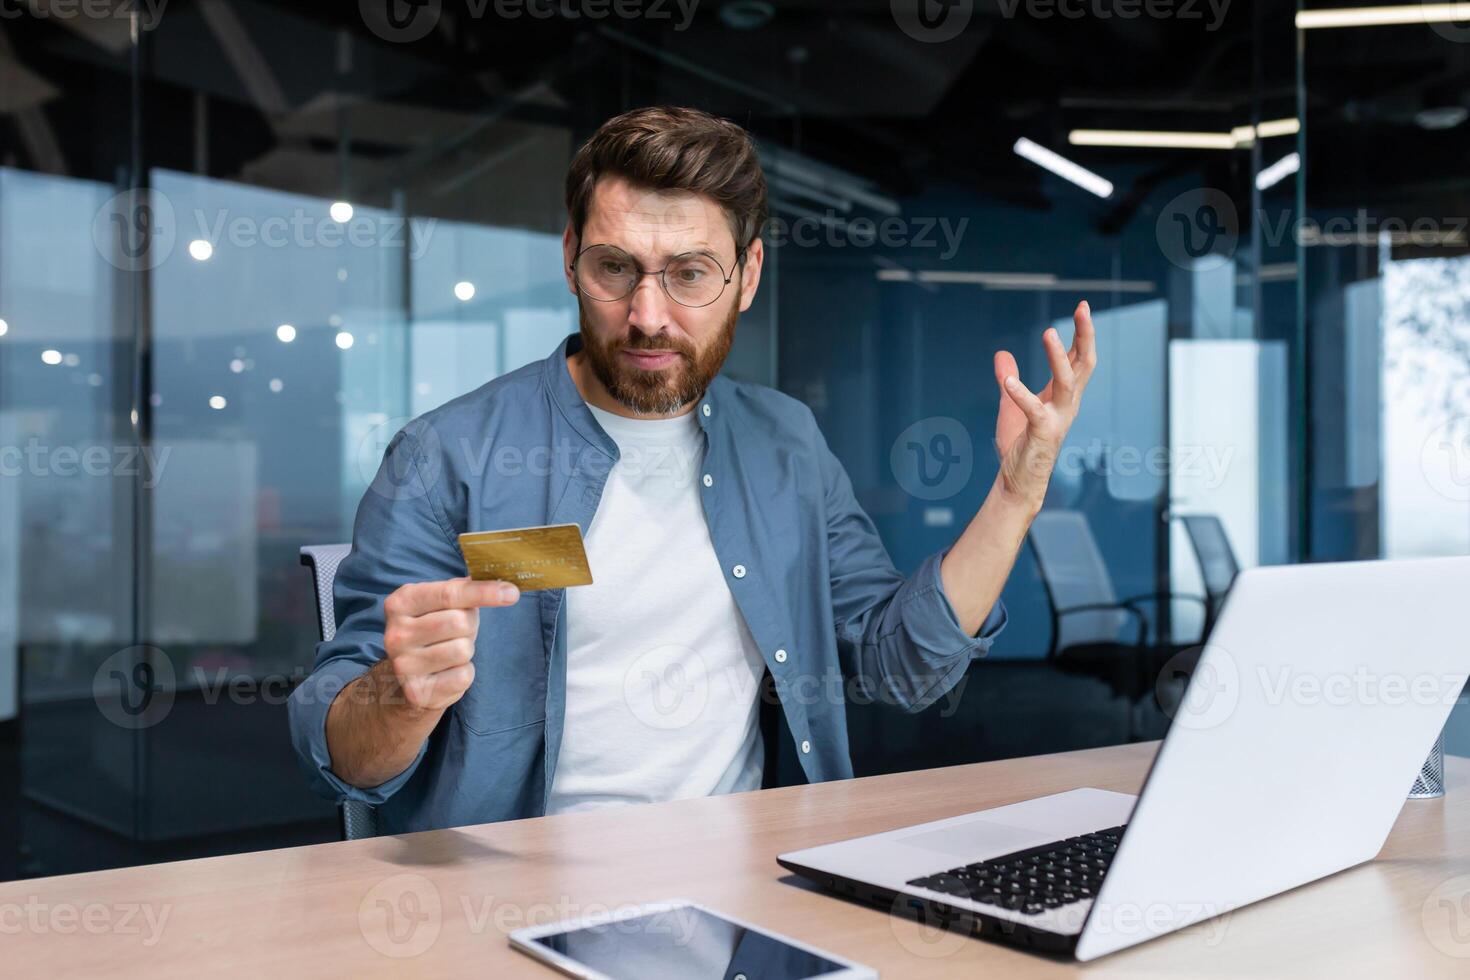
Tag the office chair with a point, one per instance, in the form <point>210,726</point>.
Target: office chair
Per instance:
<point>1217,562</point>
<point>358,819</point>
<point>1087,617</point>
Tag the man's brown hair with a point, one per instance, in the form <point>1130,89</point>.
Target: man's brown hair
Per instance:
<point>672,148</point>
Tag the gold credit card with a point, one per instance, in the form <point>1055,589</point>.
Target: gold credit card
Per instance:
<point>549,557</point>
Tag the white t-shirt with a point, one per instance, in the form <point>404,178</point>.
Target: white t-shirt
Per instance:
<point>663,676</point>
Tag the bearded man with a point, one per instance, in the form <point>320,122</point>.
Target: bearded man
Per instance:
<point>739,589</point>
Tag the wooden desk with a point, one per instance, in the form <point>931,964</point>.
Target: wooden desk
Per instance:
<point>315,912</point>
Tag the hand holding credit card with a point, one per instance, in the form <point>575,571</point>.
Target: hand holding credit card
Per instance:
<point>549,557</point>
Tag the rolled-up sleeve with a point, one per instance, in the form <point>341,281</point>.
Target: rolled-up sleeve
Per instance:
<point>897,634</point>
<point>401,535</point>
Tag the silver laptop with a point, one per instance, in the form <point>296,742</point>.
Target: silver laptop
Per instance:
<point>1312,708</point>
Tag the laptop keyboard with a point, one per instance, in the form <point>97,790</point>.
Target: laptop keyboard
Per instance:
<point>1036,879</point>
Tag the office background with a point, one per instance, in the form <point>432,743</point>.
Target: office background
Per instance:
<point>242,242</point>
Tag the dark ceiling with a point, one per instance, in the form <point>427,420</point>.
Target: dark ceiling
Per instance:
<point>465,117</point>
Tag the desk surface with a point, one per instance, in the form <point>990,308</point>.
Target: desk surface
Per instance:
<point>322,911</point>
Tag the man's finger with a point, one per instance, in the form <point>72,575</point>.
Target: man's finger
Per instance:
<point>1061,368</point>
<point>444,624</point>
<point>1029,403</point>
<point>455,593</point>
<point>1005,366</point>
<point>466,593</point>
<point>1084,340</point>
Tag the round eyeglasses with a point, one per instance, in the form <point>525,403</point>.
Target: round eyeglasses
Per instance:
<point>606,273</point>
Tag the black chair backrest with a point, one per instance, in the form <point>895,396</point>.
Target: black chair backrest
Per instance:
<point>1075,575</point>
<point>1216,558</point>
<point>359,820</point>
<point>323,560</point>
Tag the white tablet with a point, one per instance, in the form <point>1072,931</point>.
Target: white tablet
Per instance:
<point>677,941</point>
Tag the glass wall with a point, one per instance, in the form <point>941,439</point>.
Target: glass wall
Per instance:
<point>243,242</point>
<point>1385,250</point>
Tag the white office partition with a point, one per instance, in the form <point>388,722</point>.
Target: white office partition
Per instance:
<point>1425,499</point>
<point>1227,416</point>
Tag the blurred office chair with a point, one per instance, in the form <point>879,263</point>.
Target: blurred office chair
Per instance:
<point>1217,563</point>
<point>359,820</point>
<point>1088,618</point>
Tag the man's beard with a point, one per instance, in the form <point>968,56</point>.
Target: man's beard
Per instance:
<point>661,392</point>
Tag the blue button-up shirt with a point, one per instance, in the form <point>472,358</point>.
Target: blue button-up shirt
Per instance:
<point>806,567</point>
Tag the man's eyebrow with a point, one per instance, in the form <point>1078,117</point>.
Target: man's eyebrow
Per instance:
<point>700,249</point>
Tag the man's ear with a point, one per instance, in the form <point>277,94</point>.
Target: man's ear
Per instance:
<point>750,273</point>
<point>568,255</point>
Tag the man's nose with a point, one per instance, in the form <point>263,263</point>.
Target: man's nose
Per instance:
<point>648,309</point>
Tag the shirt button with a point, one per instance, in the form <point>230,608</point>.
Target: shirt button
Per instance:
<point>738,571</point>
<point>709,481</point>
<point>705,409</point>
<point>805,746</point>
<point>780,656</point>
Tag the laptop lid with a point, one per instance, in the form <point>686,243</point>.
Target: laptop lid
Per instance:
<point>1320,693</point>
